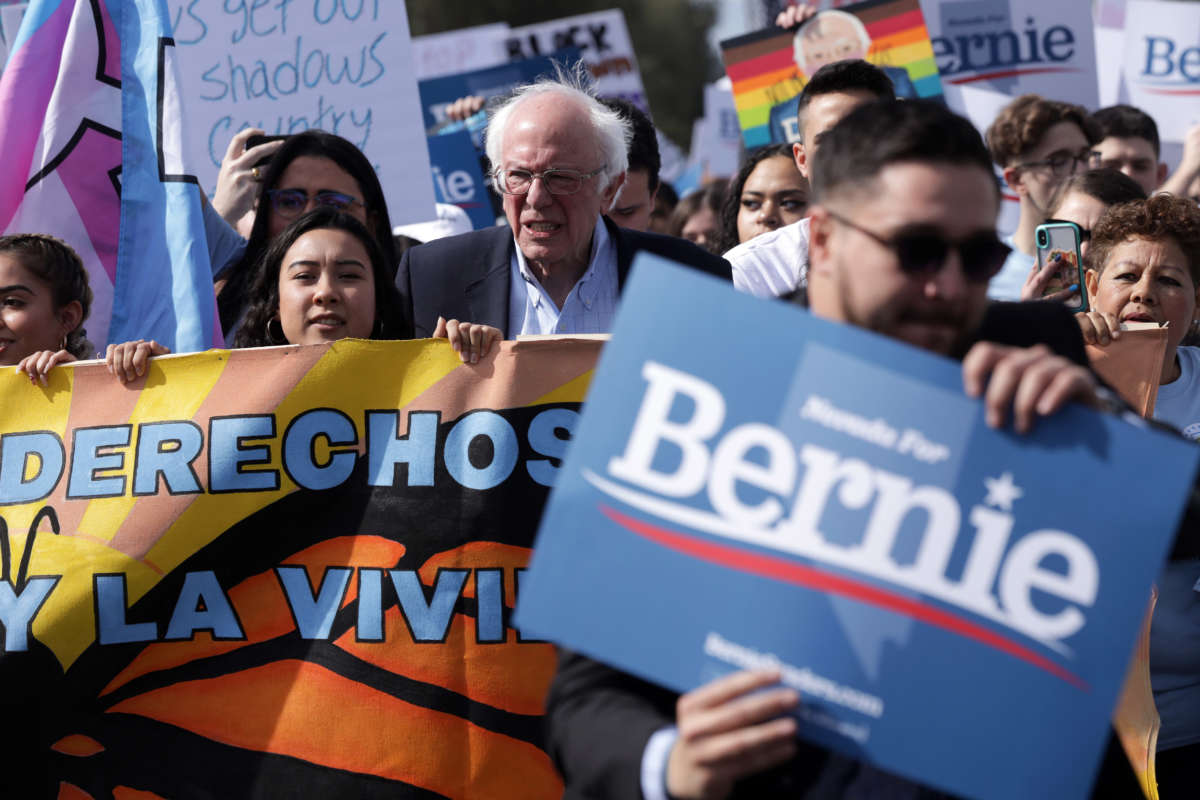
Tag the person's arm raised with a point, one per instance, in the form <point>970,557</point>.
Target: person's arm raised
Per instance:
<point>1189,165</point>
<point>237,181</point>
<point>794,16</point>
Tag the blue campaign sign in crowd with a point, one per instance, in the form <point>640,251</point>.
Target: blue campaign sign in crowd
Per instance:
<point>827,502</point>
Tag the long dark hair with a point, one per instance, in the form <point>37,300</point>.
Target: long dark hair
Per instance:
<point>308,143</point>
<point>729,238</point>
<point>391,320</point>
<point>55,263</point>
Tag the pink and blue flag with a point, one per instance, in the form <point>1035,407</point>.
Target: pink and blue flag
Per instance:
<point>91,137</point>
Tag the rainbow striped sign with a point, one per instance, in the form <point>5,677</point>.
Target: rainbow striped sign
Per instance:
<point>767,71</point>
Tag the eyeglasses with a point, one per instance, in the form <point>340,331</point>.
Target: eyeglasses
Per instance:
<point>922,253</point>
<point>289,203</point>
<point>556,181</point>
<point>1084,233</point>
<point>1061,164</point>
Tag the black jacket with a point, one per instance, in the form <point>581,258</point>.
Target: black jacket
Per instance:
<point>467,277</point>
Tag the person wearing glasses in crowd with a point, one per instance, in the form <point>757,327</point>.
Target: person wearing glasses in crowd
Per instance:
<point>903,242</point>
<point>1038,144</point>
<point>1082,199</point>
<point>558,157</point>
<point>306,170</point>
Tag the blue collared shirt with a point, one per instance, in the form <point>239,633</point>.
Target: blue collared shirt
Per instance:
<point>590,306</point>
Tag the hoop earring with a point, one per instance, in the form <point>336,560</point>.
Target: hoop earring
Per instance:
<point>63,346</point>
<point>271,335</point>
<point>377,331</point>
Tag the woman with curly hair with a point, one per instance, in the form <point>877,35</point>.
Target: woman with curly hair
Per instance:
<point>767,193</point>
<point>1144,266</point>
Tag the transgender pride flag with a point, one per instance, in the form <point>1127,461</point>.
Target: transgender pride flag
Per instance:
<point>90,136</point>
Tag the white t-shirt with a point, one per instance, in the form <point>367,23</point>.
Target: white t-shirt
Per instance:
<point>772,264</point>
<point>1178,402</point>
<point>1007,283</point>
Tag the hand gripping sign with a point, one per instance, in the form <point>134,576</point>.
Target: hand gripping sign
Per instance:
<point>834,506</point>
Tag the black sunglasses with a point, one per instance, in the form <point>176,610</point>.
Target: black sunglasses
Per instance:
<point>922,253</point>
<point>1084,233</point>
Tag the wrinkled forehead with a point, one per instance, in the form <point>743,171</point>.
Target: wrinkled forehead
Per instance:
<point>1160,254</point>
<point>544,132</point>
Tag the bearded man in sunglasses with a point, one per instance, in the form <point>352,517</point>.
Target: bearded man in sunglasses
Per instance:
<point>903,242</point>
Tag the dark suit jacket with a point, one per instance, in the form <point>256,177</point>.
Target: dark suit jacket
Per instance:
<point>467,277</point>
<point>599,719</point>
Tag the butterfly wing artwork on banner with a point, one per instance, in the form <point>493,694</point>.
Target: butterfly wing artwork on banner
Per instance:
<point>287,571</point>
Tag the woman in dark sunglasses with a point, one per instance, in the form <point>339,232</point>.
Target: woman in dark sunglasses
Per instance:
<point>310,169</point>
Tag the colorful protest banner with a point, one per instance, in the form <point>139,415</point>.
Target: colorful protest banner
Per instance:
<point>344,67</point>
<point>458,178</point>
<point>92,141</point>
<point>603,42</point>
<point>1016,46</point>
<point>1162,63</point>
<point>954,603</point>
<point>284,572</point>
<point>459,50</point>
<point>768,68</point>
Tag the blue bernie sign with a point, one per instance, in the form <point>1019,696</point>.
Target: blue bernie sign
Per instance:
<point>752,486</point>
<point>458,176</point>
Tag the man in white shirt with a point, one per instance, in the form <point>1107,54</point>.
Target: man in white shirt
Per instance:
<point>775,263</point>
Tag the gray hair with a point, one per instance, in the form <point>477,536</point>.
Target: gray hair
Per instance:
<point>613,132</point>
<point>812,29</point>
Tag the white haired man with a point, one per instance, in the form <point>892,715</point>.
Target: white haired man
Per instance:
<point>827,38</point>
<point>559,157</point>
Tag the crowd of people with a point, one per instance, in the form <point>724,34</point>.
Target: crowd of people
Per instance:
<point>882,215</point>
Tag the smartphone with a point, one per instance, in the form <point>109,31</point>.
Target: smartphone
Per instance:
<point>1058,244</point>
<point>255,141</point>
